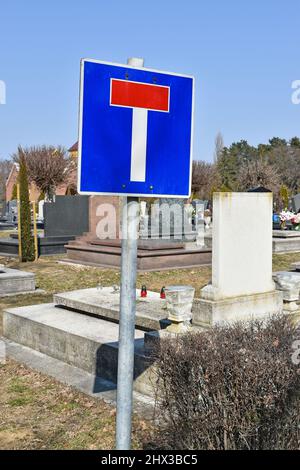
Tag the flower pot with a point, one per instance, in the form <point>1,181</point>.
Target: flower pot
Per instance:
<point>179,303</point>
<point>207,221</point>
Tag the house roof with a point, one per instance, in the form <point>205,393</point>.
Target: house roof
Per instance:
<point>14,169</point>
<point>74,148</point>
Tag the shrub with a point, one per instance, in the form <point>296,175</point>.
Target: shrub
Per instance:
<point>232,387</point>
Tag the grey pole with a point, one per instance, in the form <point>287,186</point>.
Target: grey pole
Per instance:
<point>130,227</point>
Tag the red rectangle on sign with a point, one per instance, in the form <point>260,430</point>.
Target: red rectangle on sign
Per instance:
<point>139,95</point>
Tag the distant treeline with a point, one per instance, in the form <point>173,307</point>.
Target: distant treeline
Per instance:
<point>275,166</point>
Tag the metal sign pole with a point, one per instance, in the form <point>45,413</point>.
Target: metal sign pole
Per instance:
<point>130,227</point>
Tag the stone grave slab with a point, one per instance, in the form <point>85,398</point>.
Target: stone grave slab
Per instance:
<point>85,342</point>
<point>13,281</point>
<point>296,203</point>
<point>104,302</point>
<point>286,241</point>
<point>286,234</point>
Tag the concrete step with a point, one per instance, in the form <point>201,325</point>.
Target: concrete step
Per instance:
<point>147,260</point>
<point>148,245</point>
<point>104,302</point>
<point>88,343</point>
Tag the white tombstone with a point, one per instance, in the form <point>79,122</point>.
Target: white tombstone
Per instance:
<point>242,287</point>
<point>143,207</point>
<point>41,209</point>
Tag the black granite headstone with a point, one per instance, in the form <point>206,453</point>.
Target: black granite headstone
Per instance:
<point>296,203</point>
<point>67,216</point>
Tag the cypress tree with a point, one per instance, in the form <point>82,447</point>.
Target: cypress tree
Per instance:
<point>284,194</point>
<point>27,242</point>
<point>14,193</point>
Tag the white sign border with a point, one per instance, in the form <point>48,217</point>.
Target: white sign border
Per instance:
<point>147,195</point>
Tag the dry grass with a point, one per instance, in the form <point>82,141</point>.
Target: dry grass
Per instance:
<point>283,262</point>
<point>37,412</point>
<point>53,276</point>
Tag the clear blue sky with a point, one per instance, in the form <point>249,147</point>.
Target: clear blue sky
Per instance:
<point>244,56</point>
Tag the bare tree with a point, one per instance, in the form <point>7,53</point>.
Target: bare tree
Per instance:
<point>47,166</point>
<point>258,172</point>
<point>219,145</point>
<point>205,179</point>
<point>286,160</point>
<point>5,167</point>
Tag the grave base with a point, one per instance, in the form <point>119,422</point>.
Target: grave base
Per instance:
<point>46,245</point>
<point>152,255</point>
<point>13,281</point>
<point>208,313</point>
<point>285,241</point>
<point>88,343</point>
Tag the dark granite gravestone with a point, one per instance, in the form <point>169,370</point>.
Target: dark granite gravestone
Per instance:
<point>65,219</point>
<point>259,189</point>
<point>67,216</point>
<point>296,203</point>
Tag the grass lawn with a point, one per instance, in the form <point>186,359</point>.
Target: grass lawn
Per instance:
<point>36,412</point>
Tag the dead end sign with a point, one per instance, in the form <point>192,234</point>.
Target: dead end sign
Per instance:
<point>135,131</point>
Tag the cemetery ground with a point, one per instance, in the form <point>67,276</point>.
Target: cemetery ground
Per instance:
<point>37,412</point>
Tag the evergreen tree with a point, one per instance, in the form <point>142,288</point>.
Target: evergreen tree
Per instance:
<point>284,195</point>
<point>230,161</point>
<point>277,142</point>
<point>27,242</point>
<point>295,142</point>
<point>228,168</point>
<point>14,194</point>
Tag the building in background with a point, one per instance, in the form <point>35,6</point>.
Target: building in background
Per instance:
<point>69,188</point>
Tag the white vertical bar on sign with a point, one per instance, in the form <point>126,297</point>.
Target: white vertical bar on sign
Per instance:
<point>139,144</point>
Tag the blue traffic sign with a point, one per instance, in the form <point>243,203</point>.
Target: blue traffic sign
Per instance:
<point>135,131</point>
